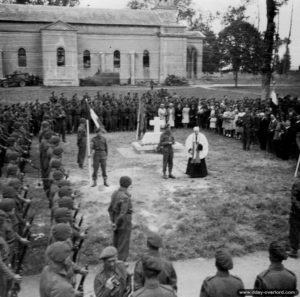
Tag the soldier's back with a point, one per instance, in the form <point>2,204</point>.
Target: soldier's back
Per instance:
<point>155,290</point>
<point>221,285</point>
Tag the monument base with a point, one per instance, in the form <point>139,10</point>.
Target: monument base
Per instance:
<point>150,148</point>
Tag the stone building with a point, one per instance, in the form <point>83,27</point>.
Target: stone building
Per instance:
<point>63,44</point>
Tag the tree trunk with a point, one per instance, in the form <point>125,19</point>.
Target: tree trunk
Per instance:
<point>266,69</point>
<point>236,74</point>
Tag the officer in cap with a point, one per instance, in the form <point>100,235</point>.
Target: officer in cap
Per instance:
<point>99,147</point>
<point>81,142</point>
<point>167,275</point>
<point>277,277</point>
<point>152,287</point>
<point>112,278</point>
<point>223,284</point>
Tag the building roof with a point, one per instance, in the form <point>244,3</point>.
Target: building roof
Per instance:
<point>83,15</point>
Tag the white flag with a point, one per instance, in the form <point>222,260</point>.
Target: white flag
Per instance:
<point>94,117</point>
<point>274,97</point>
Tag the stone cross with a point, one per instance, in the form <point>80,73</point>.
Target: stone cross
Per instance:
<point>156,122</point>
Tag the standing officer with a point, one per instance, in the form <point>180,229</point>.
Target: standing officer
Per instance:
<point>247,124</point>
<point>112,279</point>
<point>99,146</point>
<point>295,220</point>
<point>120,213</point>
<point>166,142</point>
<point>152,287</point>
<point>277,277</point>
<point>223,284</point>
<point>167,275</point>
<point>81,142</point>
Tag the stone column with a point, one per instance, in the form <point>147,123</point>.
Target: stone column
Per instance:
<point>132,67</point>
<point>102,61</point>
<point>161,65</point>
<point>1,63</point>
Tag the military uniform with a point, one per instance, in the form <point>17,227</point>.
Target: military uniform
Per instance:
<point>81,143</point>
<point>166,141</point>
<point>294,219</point>
<point>222,284</point>
<point>167,275</point>
<point>121,280</point>
<point>153,288</point>
<point>247,124</point>
<point>99,145</point>
<point>278,278</point>
<point>120,212</point>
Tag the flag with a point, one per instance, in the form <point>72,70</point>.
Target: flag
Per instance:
<point>95,118</point>
<point>274,97</point>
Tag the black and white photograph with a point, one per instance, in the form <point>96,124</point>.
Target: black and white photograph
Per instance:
<point>149,148</point>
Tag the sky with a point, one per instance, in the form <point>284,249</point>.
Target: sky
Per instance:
<point>257,7</point>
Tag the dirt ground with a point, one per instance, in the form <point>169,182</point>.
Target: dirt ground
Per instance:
<point>242,204</point>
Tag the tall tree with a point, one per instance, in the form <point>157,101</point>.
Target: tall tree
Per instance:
<point>185,11</point>
<point>43,2</point>
<point>268,46</point>
<point>240,48</point>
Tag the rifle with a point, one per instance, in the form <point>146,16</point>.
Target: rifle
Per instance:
<point>76,212</point>
<point>77,247</point>
<point>28,205</point>
<point>28,225</point>
<point>81,283</point>
<point>16,288</point>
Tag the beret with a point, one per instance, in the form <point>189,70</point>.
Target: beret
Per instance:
<point>54,139</point>
<point>277,250</point>
<point>10,139</point>
<point>57,175</point>
<point>62,215</point>
<point>108,252</point>
<point>66,202</point>
<point>125,181</point>
<point>7,204</point>
<point>61,232</point>
<point>58,151</point>
<point>45,124</point>
<point>82,121</point>
<point>154,240</point>
<point>12,169</point>
<point>12,156</point>
<point>15,183</point>
<point>55,163</point>
<point>65,191</point>
<point>151,263</point>
<point>58,252</point>
<point>64,182</point>
<point>9,192</point>
<point>223,260</point>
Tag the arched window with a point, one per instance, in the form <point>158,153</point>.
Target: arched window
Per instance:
<point>22,58</point>
<point>60,55</point>
<point>117,59</point>
<point>86,59</point>
<point>146,59</point>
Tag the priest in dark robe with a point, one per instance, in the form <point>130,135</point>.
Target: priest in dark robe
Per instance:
<point>197,147</point>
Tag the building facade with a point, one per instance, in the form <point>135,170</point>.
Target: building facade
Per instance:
<point>63,44</point>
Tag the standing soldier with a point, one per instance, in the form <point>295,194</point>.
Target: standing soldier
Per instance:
<point>153,288</point>
<point>120,212</point>
<point>295,220</point>
<point>112,279</point>
<point>99,146</point>
<point>277,277</point>
<point>54,281</point>
<point>167,275</point>
<point>166,142</point>
<point>247,124</point>
<point>223,284</point>
<point>81,142</point>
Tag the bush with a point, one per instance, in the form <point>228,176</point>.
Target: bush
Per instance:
<point>101,79</point>
<point>173,80</point>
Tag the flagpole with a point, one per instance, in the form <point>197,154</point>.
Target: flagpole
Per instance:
<point>89,150</point>
<point>297,167</point>
<point>138,120</point>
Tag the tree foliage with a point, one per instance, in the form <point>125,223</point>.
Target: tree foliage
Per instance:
<point>240,48</point>
<point>43,2</point>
